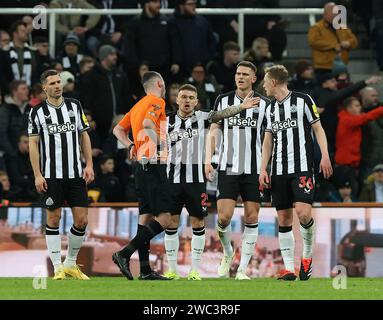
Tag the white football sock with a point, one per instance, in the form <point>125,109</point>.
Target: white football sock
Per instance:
<point>249,240</point>
<point>75,239</point>
<point>53,240</point>
<point>225,237</point>
<point>172,244</point>
<point>197,246</point>
<point>308,232</point>
<point>287,246</point>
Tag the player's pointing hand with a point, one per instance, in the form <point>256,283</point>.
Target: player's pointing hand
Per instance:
<point>250,101</point>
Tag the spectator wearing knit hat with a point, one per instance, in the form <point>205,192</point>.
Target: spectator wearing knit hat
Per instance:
<point>373,188</point>
<point>303,79</point>
<point>71,57</point>
<point>68,84</point>
<point>104,90</point>
<point>74,23</point>
<point>343,193</point>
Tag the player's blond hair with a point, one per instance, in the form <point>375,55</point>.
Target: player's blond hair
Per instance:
<point>278,72</point>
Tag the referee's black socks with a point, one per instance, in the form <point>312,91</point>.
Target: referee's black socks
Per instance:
<point>143,236</point>
<point>143,254</point>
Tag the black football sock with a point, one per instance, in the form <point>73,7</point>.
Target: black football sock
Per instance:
<point>144,235</point>
<point>143,253</point>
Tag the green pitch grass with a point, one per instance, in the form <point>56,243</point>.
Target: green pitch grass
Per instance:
<point>210,289</point>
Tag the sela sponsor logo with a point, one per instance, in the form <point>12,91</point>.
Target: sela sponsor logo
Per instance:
<point>60,128</point>
<point>242,122</point>
<point>180,135</point>
<point>284,125</point>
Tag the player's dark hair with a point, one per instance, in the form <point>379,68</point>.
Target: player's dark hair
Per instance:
<point>149,76</point>
<point>188,87</point>
<point>278,72</point>
<point>46,74</point>
<point>247,64</point>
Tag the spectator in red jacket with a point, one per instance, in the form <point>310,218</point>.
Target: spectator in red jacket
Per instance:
<point>349,137</point>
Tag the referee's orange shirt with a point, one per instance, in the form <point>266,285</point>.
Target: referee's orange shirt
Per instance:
<point>149,107</point>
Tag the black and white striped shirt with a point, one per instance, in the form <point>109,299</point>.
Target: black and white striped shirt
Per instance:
<point>187,147</point>
<point>290,123</point>
<point>240,150</point>
<point>59,128</point>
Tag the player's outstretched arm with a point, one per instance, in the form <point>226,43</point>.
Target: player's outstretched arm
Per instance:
<point>325,164</point>
<point>267,148</point>
<point>34,156</point>
<point>248,102</point>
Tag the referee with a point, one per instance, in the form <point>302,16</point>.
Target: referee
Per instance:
<point>147,121</point>
<point>57,129</point>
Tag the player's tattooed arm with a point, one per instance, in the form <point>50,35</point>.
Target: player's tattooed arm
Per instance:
<point>248,102</point>
<point>216,116</point>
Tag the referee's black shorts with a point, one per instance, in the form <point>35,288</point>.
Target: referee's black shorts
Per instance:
<point>70,192</point>
<point>191,195</point>
<point>291,188</point>
<point>230,186</point>
<point>153,189</point>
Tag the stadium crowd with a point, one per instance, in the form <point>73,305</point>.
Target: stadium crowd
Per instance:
<point>103,58</point>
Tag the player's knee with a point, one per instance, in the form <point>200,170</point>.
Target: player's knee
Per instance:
<point>285,220</point>
<point>198,223</point>
<point>164,220</point>
<point>54,221</point>
<point>303,215</point>
<point>304,218</point>
<point>251,216</point>
<point>81,222</point>
<point>224,221</point>
<point>173,225</point>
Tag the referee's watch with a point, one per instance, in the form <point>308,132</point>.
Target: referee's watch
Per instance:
<point>130,147</point>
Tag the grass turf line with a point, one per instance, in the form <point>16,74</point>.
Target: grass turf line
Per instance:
<point>207,289</point>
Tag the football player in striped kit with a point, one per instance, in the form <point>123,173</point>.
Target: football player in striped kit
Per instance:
<point>187,129</point>
<point>291,121</point>
<point>57,130</point>
<point>238,168</point>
